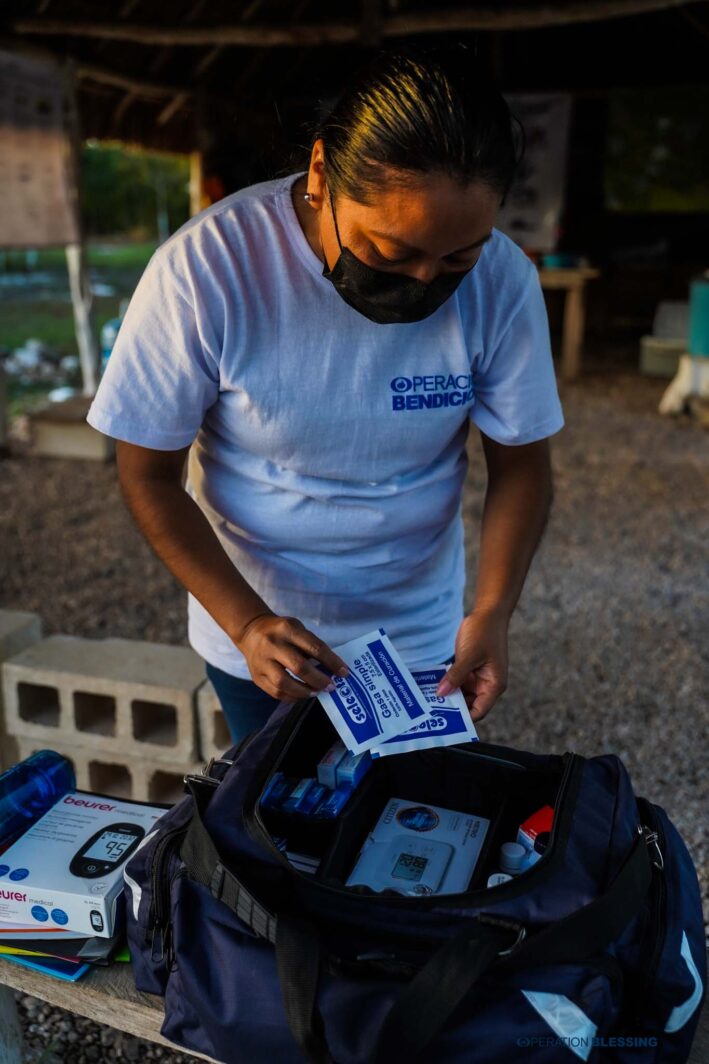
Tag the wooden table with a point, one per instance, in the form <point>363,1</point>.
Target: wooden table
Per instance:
<point>573,281</point>
<point>107,995</point>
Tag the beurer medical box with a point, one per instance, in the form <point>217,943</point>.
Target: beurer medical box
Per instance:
<point>66,871</point>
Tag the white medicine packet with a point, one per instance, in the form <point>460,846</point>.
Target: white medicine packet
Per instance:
<point>448,722</point>
<point>379,698</point>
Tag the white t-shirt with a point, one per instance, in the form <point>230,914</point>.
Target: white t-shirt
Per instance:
<point>329,451</point>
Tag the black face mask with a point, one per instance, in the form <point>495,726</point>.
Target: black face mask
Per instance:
<point>383,297</point>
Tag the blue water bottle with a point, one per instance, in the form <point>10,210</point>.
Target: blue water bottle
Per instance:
<point>29,789</point>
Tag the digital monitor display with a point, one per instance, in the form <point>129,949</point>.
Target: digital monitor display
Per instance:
<point>409,866</point>
<point>110,846</point>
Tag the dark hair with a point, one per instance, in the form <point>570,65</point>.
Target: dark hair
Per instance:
<point>419,110</point>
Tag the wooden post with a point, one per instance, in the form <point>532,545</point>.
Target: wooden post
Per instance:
<point>82,300</point>
<point>572,337</point>
<point>76,259</point>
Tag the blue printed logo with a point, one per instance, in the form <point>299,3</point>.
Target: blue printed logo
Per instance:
<point>40,913</point>
<point>431,391</point>
<point>4,869</point>
<point>354,703</point>
<point>60,917</point>
<point>19,873</point>
<point>418,818</point>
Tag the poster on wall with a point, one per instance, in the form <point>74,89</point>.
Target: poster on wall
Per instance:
<point>533,208</point>
<point>37,197</point>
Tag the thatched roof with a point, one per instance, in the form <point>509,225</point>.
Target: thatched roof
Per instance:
<point>177,75</point>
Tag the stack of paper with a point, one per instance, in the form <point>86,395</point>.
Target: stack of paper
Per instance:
<point>386,709</point>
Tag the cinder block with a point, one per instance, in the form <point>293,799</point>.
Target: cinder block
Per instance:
<point>168,784</point>
<point>117,697</point>
<point>660,358</point>
<point>60,430</point>
<point>214,735</point>
<point>18,630</point>
<point>132,778</point>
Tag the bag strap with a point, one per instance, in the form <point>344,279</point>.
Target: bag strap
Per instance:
<point>430,998</point>
<point>204,864</point>
<point>298,954</point>
<point>297,943</point>
<point>423,1007</point>
<point>596,925</point>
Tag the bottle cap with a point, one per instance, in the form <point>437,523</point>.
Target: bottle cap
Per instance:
<point>498,877</point>
<point>512,856</point>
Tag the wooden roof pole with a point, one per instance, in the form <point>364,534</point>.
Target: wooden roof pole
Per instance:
<point>515,17</point>
<point>205,62</point>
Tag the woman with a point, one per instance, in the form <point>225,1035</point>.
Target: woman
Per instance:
<point>315,346</point>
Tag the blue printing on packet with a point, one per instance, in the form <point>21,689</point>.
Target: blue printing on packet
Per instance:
<point>363,720</point>
<point>396,679</point>
<point>441,721</point>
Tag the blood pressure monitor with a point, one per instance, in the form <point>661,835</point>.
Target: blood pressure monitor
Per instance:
<point>405,864</point>
<point>105,850</point>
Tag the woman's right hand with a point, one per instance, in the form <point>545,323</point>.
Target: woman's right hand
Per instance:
<point>272,644</point>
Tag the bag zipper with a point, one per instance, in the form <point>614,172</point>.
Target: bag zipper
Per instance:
<point>257,829</point>
<point>657,928</point>
<point>159,917</point>
<point>159,923</point>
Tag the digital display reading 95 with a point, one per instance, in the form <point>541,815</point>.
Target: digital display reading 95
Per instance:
<point>105,850</point>
<point>409,866</point>
<point>110,846</point>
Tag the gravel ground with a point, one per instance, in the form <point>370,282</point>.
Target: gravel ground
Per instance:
<point>609,649</point>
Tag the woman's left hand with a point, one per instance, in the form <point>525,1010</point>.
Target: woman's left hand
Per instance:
<point>480,666</point>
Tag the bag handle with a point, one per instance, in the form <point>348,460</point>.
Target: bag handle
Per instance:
<point>297,943</point>
<point>298,955</point>
<point>204,864</point>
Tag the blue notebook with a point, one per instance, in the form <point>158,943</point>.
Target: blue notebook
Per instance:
<point>60,969</point>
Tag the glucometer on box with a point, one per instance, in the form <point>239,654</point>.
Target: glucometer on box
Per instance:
<point>105,850</point>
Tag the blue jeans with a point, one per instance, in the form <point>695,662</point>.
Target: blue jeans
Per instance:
<point>246,706</point>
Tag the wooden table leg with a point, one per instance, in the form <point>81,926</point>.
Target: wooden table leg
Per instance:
<point>10,1030</point>
<point>574,312</point>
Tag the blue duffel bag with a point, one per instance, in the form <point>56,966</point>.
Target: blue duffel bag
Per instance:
<point>594,953</point>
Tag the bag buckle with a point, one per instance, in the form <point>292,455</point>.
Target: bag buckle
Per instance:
<point>521,935</point>
<point>511,925</point>
<point>216,761</point>
<point>205,774</point>
<point>194,777</point>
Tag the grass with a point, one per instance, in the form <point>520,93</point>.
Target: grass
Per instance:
<point>100,253</point>
<point>50,320</point>
<point>44,311</point>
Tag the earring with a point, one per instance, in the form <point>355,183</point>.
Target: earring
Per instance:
<point>307,196</point>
